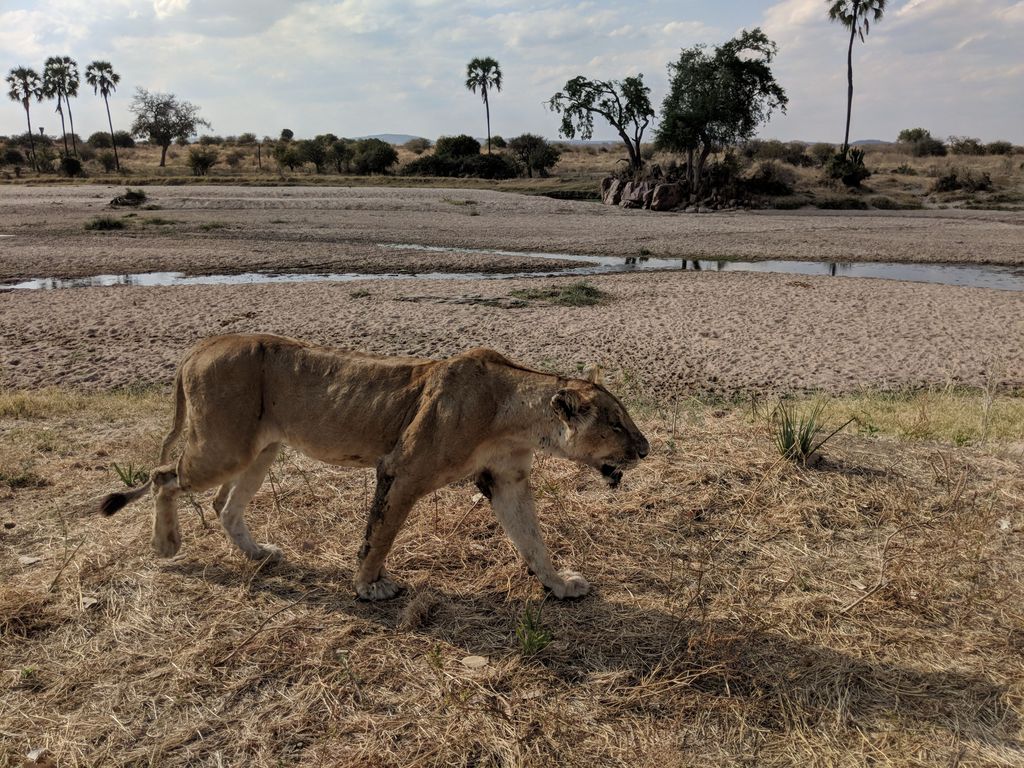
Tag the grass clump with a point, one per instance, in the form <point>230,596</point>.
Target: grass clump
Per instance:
<point>795,433</point>
<point>130,475</point>
<point>104,224</point>
<point>530,632</point>
<point>580,294</point>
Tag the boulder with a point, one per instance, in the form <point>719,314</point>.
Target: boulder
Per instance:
<point>611,191</point>
<point>666,197</point>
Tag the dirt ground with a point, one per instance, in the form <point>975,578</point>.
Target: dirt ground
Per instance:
<point>661,335</point>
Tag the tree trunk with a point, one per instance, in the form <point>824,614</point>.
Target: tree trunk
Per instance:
<point>31,140</point>
<point>705,151</point>
<point>849,93</point>
<point>163,154</point>
<point>71,118</point>
<point>117,163</point>
<point>690,181</point>
<point>63,132</point>
<point>487,107</point>
<point>635,161</point>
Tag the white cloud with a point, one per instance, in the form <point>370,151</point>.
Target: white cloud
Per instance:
<point>165,8</point>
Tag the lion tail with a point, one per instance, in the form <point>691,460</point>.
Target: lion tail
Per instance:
<point>179,418</point>
<point>115,501</point>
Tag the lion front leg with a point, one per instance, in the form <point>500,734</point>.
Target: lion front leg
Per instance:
<point>392,501</point>
<point>511,498</point>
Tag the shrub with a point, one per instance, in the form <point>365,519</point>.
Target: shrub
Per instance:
<point>848,167</point>
<point>373,156</point>
<point>928,147</point>
<point>533,153</point>
<point>201,160</point>
<point>821,153</point>
<point>433,165</point>
<point>498,142</point>
<point>207,140</point>
<point>999,148</point>
<point>12,156</point>
<point>71,166</point>
<point>793,152</point>
<point>107,160</point>
<point>962,179</point>
<point>457,146</point>
<point>287,154</point>
<point>99,140</point>
<point>104,223</point>
<point>234,158</point>
<point>246,139</point>
<point>86,153</point>
<point>489,167</point>
<point>418,145</point>
<point>913,135</point>
<point>287,134</point>
<point>771,178</point>
<point>341,153</point>
<point>315,152</point>
<point>965,145</point>
<point>123,140</point>
<point>903,169</point>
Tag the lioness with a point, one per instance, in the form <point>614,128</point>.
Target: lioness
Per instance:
<point>422,423</point>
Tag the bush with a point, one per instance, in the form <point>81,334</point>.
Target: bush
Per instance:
<point>315,152</point>
<point>433,165</point>
<point>498,142</point>
<point>928,147</point>
<point>207,140</point>
<point>201,160</point>
<point>100,140</point>
<point>533,153</point>
<point>771,178</point>
<point>913,135</point>
<point>999,148</point>
<point>341,153</point>
<point>965,145</point>
<point>793,152</point>
<point>123,140</point>
<point>104,223</point>
<point>107,160</point>
<point>86,153</point>
<point>12,156</point>
<point>246,139</point>
<point>234,158</point>
<point>287,134</point>
<point>489,167</point>
<point>71,166</point>
<point>962,179</point>
<point>373,156</point>
<point>821,153</point>
<point>848,167</point>
<point>287,154</point>
<point>457,146</point>
<point>903,169</point>
<point>417,146</point>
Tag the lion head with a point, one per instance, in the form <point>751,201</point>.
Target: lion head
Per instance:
<point>599,431</point>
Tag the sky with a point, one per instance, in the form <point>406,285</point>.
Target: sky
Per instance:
<point>361,67</point>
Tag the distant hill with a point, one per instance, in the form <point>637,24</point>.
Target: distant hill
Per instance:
<point>391,138</point>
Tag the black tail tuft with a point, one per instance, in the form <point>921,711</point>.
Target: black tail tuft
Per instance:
<point>113,503</point>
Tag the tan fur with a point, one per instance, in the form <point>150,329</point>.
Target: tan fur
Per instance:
<point>422,423</point>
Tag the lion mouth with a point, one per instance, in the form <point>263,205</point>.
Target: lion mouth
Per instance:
<point>612,474</point>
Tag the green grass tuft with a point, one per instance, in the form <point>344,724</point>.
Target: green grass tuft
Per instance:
<point>104,224</point>
<point>576,295</point>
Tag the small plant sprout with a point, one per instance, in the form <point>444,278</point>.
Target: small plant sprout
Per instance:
<point>795,433</point>
<point>530,632</point>
<point>131,475</point>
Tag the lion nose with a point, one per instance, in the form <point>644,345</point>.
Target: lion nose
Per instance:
<point>643,449</point>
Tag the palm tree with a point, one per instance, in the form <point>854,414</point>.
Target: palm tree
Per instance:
<point>103,79</point>
<point>60,81</point>
<point>25,86</point>
<point>484,74</point>
<point>855,15</point>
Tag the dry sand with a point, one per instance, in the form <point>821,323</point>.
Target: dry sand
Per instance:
<point>663,334</point>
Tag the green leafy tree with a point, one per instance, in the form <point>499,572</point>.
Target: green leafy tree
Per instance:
<point>103,79</point>
<point>315,152</point>
<point>457,146</point>
<point>161,118</point>
<point>374,156</point>
<point>533,153</point>
<point>912,135</point>
<point>484,75</point>
<point>61,81</point>
<point>856,16</point>
<point>625,105</point>
<point>25,86</point>
<point>341,154</point>
<point>718,98</point>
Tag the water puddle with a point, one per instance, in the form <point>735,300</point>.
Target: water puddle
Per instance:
<point>972,275</point>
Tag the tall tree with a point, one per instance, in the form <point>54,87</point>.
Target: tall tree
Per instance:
<point>60,81</point>
<point>482,75</point>
<point>625,104</point>
<point>161,118</point>
<point>718,99</point>
<point>855,15</point>
<point>25,86</point>
<point>103,79</point>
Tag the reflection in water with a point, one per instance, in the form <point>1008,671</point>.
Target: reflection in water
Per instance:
<point>975,275</point>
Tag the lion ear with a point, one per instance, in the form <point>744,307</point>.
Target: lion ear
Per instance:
<point>594,374</point>
<point>566,404</point>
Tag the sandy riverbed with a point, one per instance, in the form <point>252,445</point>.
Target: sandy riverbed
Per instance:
<point>660,334</point>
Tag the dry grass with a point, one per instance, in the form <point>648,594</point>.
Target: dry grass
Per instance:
<point>745,610</point>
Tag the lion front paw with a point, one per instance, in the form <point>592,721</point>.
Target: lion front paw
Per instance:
<point>383,588</point>
<point>572,585</point>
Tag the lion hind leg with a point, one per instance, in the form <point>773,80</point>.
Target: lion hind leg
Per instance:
<point>238,496</point>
